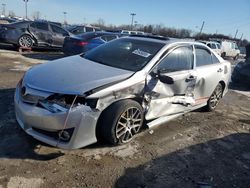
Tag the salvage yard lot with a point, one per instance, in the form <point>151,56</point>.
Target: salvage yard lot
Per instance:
<point>198,147</point>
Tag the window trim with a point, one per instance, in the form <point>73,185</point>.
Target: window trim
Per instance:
<point>207,49</point>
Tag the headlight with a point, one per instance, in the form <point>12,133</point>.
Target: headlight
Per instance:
<point>65,100</point>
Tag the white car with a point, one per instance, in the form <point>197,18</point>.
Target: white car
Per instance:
<point>116,88</point>
<point>215,46</point>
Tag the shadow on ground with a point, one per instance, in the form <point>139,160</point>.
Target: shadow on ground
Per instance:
<point>14,142</point>
<point>239,86</point>
<point>48,56</point>
<point>223,162</point>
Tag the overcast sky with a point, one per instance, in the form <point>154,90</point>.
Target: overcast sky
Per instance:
<point>223,16</point>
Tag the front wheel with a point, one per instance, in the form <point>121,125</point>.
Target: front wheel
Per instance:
<point>25,41</point>
<point>121,121</point>
<point>214,98</point>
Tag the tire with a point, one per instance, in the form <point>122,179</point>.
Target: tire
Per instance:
<point>25,41</point>
<point>121,121</point>
<point>214,98</point>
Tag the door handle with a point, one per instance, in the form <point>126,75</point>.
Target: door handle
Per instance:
<point>220,70</point>
<point>190,78</point>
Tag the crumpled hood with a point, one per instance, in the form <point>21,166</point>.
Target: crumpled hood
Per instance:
<point>72,75</point>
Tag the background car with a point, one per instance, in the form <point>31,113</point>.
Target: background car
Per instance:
<point>79,29</point>
<point>81,43</point>
<point>33,34</point>
<point>110,91</point>
<point>215,46</point>
<point>7,20</point>
<point>241,73</point>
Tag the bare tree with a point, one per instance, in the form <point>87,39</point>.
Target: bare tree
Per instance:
<point>100,23</point>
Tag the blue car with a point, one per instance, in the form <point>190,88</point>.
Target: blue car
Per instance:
<point>81,43</point>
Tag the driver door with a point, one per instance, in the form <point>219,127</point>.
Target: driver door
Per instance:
<point>170,85</point>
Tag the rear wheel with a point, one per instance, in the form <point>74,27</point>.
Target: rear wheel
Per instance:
<point>121,121</point>
<point>25,41</point>
<point>214,98</point>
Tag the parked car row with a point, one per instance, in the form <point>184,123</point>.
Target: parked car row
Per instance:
<point>72,39</point>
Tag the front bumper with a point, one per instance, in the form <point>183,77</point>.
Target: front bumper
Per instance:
<point>82,120</point>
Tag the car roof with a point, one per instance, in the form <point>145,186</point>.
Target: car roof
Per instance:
<point>165,40</point>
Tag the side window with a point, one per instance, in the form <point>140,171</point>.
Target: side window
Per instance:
<point>213,46</point>
<point>108,37</point>
<point>42,26</point>
<point>89,29</point>
<point>78,30</point>
<point>203,57</point>
<point>33,25</point>
<point>179,59</point>
<point>58,30</point>
<point>218,46</point>
<point>209,45</point>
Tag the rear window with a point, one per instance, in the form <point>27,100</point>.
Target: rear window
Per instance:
<point>203,57</point>
<point>129,54</point>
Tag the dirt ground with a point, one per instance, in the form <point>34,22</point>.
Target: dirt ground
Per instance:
<point>196,150</point>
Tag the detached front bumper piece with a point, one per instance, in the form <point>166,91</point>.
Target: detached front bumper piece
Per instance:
<point>47,126</point>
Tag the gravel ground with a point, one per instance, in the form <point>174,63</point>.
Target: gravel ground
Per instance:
<point>194,150</point>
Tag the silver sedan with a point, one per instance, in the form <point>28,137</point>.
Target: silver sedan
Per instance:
<point>112,91</point>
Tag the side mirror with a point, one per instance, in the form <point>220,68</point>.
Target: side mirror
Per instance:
<point>165,79</point>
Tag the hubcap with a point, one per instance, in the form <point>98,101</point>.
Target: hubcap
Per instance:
<point>216,96</point>
<point>25,41</point>
<point>128,124</point>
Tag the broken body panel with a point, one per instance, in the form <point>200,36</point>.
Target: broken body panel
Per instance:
<point>161,101</point>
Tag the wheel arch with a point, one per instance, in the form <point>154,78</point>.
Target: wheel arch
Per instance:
<point>100,118</point>
<point>30,35</point>
<point>223,84</point>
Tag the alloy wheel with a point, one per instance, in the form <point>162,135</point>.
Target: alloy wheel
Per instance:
<point>25,41</point>
<point>128,124</point>
<point>216,96</point>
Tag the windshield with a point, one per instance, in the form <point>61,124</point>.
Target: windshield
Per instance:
<point>126,53</point>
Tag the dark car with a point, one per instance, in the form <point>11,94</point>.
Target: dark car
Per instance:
<point>33,34</point>
<point>7,20</point>
<point>241,73</point>
<point>81,43</point>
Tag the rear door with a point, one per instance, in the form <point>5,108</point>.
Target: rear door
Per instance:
<point>58,35</point>
<point>40,30</point>
<point>209,73</point>
<point>176,97</point>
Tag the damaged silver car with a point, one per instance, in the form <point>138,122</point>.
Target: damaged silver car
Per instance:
<point>111,91</point>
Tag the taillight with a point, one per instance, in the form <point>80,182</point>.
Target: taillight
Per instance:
<point>81,43</point>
